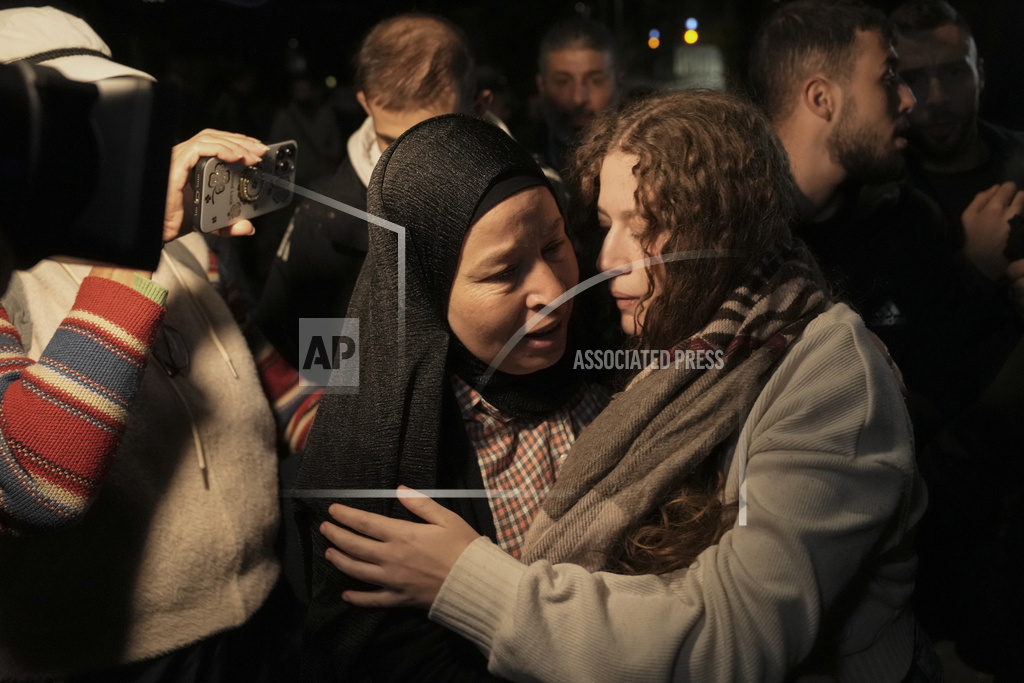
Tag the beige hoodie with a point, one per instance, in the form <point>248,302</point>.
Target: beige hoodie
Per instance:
<point>167,555</point>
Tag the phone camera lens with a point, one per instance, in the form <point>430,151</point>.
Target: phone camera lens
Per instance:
<point>250,184</point>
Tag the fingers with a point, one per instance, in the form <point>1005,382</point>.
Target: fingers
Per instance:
<point>994,198</point>
<point>207,143</point>
<point>411,560</point>
<point>239,229</point>
<point>221,144</point>
<point>356,568</point>
<point>381,598</point>
<point>367,523</point>
<point>358,558</point>
<point>981,199</point>
<point>424,507</point>
<point>1016,205</point>
<point>1004,194</point>
<point>1015,271</point>
<point>351,544</point>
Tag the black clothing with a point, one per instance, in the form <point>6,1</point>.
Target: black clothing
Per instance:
<point>316,268</point>
<point>945,324</point>
<point>971,541</point>
<point>403,427</point>
<point>546,147</point>
<point>952,332</point>
<point>954,191</point>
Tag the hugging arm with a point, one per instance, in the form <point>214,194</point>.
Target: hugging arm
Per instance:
<point>830,490</point>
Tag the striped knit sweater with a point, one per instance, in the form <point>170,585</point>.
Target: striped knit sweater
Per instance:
<point>62,418</point>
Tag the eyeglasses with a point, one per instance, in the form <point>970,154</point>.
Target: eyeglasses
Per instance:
<point>170,351</point>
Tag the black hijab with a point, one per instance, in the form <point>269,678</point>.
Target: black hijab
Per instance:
<point>403,427</point>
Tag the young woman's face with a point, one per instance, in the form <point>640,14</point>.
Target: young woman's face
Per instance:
<point>515,261</point>
<point>618,213</point>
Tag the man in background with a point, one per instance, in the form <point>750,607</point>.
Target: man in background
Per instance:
<point>409,68</point>
<point>826,74</point>
<point>577,78</point>
<point>953,154</point>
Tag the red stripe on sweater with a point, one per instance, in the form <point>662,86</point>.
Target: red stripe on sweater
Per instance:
<point>277,375</point>
<point>121,305</point>
<point>49,428</point>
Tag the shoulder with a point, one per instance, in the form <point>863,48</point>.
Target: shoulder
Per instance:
<point>345,185</point>
<point>834,350</point>
<point>330,221</point>
<point>835,392</point>
<point>900,200</point>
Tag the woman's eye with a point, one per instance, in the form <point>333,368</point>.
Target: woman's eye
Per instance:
<point>555,248</point>
<point>506,275</point>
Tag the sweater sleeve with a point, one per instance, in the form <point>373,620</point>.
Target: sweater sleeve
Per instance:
<point>62,417</point>
<point>829,464</point>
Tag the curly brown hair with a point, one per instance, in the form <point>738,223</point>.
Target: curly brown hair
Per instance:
<point>711,172</point>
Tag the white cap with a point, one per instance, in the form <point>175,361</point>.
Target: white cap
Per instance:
<point>79,54</point>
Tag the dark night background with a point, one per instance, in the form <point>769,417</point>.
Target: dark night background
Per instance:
<point>203,44</point>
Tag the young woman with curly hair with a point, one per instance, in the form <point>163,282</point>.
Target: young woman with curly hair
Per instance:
<point>743,512</point>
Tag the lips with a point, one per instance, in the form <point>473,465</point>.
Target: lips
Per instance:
<point>943,130</point>
<point>545,331</point>
<point>625,302</point>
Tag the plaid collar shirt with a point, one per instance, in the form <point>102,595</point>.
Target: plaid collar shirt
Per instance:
<point>519,457</point>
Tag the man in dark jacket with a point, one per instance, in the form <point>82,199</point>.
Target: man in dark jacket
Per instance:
<point>826,73</point>
<point>953,155</point>
<point>322,252</point>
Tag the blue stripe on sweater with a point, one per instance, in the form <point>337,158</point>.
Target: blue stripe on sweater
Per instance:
<point>23,501</point>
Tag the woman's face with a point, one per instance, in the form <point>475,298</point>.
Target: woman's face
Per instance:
<point>618,213</point>
<point>515,260</point>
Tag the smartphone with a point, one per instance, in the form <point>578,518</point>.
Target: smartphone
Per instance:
<point>226,193</point>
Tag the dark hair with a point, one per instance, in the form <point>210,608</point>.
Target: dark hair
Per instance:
<point>803,37</point>
<point>712,172</point>
<point>925,15</point>
<point>414,61</point>
<point>577,33</point>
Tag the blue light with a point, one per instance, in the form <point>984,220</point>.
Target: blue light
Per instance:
<point>691,24</point>
<point>655,33</point>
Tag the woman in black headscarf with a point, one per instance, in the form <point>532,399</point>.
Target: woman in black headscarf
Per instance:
<point>485,252</point>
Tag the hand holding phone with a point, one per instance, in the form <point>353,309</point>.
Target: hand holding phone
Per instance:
<point>229,192</point>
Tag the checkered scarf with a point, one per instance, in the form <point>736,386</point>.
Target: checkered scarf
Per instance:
<point>640,451</point>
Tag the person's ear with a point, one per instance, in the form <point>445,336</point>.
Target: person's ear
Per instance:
<point>981,74</point>
<point>482,102</point>
<point>540,83</point>
<point>361,97</point>
<point>820,96</point>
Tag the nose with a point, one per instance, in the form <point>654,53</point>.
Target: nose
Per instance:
<point>614,251</point>
<point>543,286</point>
<point>580,93</point>
<point>936,94</point>
<point>906,99</point>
